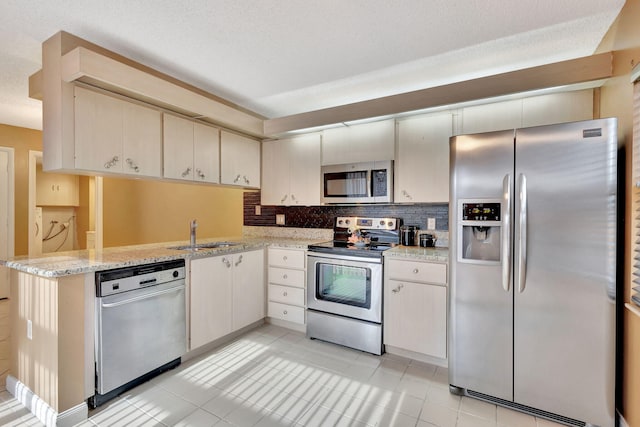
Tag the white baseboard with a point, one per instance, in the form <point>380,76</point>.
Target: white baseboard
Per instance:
<point>416,356</point>
<point>41,410</point>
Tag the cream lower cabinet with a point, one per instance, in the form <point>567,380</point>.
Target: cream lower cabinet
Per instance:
<point>286,285</point>
<point>415,307</point>
<point>116,136</point>
<point>226,294</point>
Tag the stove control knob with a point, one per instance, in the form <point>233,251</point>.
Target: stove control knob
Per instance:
<point>347,221</point>
<point>339,222</point>
<point>390,223</point>
<point>382,222</point>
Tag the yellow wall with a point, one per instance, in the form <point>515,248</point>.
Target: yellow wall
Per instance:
<point>22,140</point>
<point>137,211</point>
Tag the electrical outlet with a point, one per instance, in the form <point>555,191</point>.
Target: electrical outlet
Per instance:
<point>29,330</point>
<point>431,223</point>
<point>258,210</point>
<point>280,219</point>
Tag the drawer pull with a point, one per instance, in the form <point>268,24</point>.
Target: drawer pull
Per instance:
<point>284,276</point>
<point>415,271</point>
<point>284,294</point>
<point>284,258</point>
<point>284,312</point>
<point>397,289</point>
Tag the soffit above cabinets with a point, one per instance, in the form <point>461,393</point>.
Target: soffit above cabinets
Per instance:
<point>284,57</point>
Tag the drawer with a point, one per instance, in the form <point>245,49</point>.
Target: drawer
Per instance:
<point>287,258</point>
<point>417,271</point>
<point>283,276</point>
<point>286,312</point>
<point>286,295</point>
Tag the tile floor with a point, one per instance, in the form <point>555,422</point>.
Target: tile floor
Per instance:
<point>275,377</point>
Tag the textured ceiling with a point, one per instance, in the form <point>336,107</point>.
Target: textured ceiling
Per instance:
<point>281,57</point>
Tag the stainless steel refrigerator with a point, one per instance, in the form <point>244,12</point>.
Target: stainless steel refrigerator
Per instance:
<point>533,269</point>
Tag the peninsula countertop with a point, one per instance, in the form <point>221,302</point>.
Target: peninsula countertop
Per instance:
<point>61,264</point>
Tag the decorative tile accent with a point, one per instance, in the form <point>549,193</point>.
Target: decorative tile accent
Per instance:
<point>323,216</point>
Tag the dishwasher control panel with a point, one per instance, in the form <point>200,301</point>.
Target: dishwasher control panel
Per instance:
<point>125,279</point>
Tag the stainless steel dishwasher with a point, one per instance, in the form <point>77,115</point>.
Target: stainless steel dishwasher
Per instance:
<point>140,325</point>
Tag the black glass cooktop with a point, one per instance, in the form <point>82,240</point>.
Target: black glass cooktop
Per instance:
<point>371,250</point>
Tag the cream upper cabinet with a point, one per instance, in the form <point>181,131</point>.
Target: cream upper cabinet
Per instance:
<point>422,162</point>
<point>53,189</point>
<point>115,136</point>
<point>191,150</point>
<point>291,171</point>
<point>415,317</point>
<point>239,160</point>
<point>359,143</point>
<point>491,117</point>
<point>557,108</point>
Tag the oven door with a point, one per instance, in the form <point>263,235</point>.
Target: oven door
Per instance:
<point>345,285</point>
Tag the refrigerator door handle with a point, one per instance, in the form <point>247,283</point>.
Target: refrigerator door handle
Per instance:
<point>522,238</point>
<point>506,233</point>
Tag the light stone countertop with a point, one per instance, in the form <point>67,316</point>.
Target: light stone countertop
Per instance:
<point>60,264</point>
<point>437,254</point>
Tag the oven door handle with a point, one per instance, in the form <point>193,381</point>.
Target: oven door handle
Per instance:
<point>326,257</point>
<point>142,297</point>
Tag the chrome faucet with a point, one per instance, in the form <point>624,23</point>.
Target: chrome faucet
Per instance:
<point>194,225</point>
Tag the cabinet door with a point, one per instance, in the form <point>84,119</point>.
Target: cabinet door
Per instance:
<point>239,160</point>
<point>359,143</point>
<point>304,167</point>
<point>557,108</point>
<point>248,288</point>
<point>206,148</point>
<point>142,141</point>
<point>211,298</point>
<point>416,317</point>
<point>53,189</point>
<point>275,173</point>
<point>178,148</point>
<point>491,117</point>
<point>422,165</point>
<point>98,127</point>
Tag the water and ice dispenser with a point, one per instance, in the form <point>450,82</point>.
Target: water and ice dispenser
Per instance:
<point>479,228</point>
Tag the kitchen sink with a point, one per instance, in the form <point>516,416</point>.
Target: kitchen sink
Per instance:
<point>202,246</point>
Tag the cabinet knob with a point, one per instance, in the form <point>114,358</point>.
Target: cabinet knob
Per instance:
<point>293,197</point>
<point>111,163</point>
<point>416,271</point>
<point>226,262</point>
<point>284,294</point>
<point>407,195</point>
<point>239,261</point>
<point>284,198</point>
<point>235,181</point>
<point>246,180</point>
<point>284,258</point>
<point>284,276</point>
<point>132,165</point>
<point>186,172</point>
<point>201,174</point>
<point>284,312</point>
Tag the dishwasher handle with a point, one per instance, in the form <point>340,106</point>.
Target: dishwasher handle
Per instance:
<point>143,297</point>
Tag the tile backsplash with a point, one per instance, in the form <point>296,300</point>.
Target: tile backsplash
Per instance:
<point>323,216</point>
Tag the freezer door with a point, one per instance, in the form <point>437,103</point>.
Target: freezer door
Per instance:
<point>565,269</point>
<point>480,308</point>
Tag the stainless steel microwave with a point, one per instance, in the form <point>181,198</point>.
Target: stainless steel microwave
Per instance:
<point>369,182</point>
